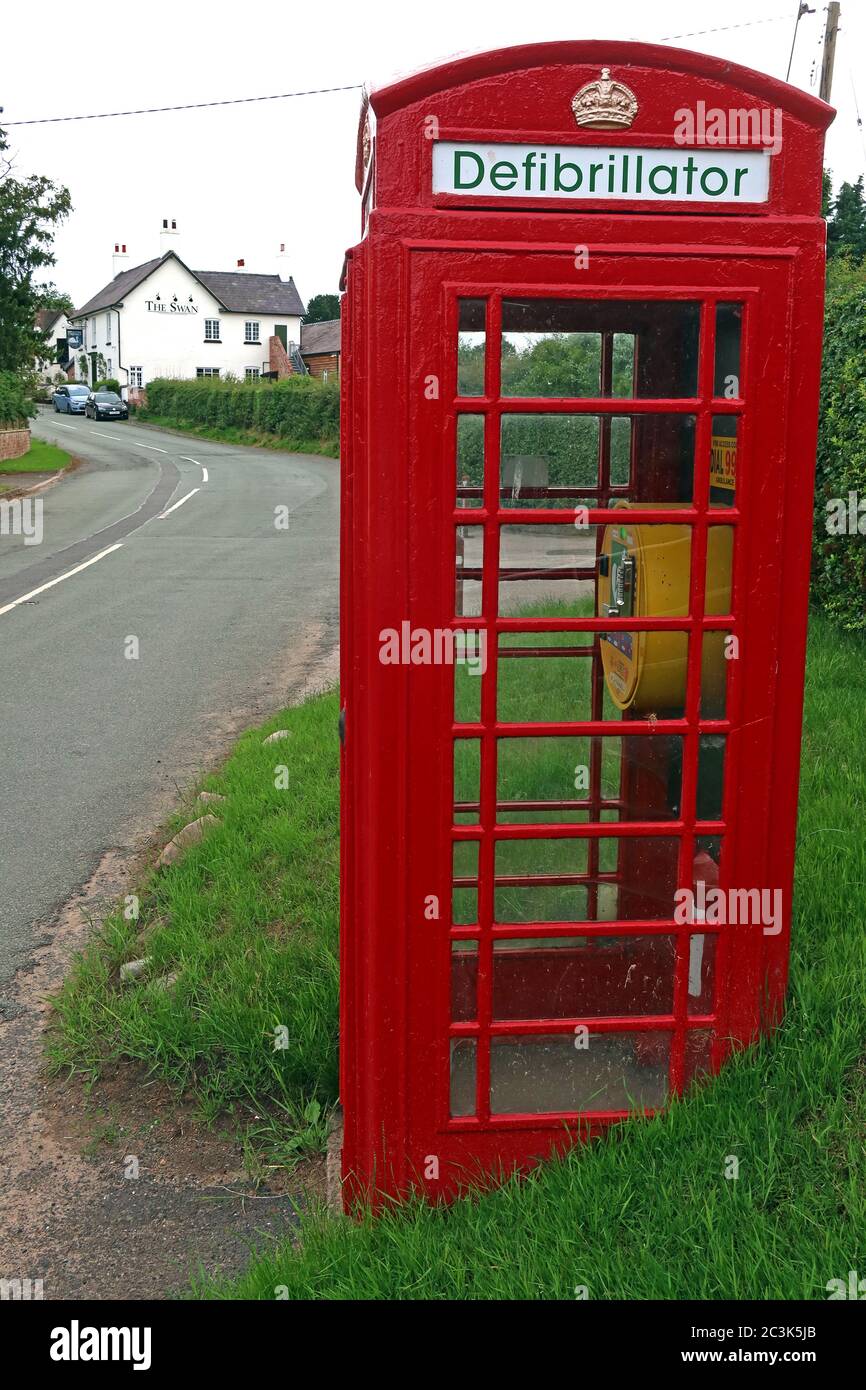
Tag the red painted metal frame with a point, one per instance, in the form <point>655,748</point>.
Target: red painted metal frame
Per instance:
<point>399,515</point>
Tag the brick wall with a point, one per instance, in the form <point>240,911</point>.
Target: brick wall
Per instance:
<point>278,360</point>
<point>14,443</point>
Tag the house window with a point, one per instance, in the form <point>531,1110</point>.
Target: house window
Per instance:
<point>93,333</point>
<point>211,330</point>
<point>207,371</point>
<point>136,375</point>
<point>251,373</point>
<point>251,332</point>
<point>108,328</point>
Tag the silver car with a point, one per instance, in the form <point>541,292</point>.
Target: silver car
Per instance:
<point>71,400</point>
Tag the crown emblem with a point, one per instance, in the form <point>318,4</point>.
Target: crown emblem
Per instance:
<point>604,104</point>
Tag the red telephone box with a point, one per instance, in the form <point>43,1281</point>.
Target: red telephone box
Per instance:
<point>581,341</point>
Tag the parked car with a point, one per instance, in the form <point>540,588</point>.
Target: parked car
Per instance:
<point>71,400</point>
<point>106,405</point>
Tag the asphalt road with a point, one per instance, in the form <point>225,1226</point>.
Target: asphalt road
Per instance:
<point>233,617</point>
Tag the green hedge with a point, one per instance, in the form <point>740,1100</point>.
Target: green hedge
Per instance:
<point>16,401</point>
<point>299,409</point>
<point>839,555</point>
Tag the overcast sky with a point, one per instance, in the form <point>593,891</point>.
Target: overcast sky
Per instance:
<point>240,180</point>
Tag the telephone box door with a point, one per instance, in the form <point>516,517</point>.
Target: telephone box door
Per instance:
<point>597,478</point>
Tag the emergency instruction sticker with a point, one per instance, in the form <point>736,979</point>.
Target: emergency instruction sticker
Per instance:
<point>723,461</point>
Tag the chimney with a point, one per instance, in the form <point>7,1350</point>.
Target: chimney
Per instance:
<point>168,235</point>
<point>119,260</point>
<point>241,264</point>
<point>283,262</point>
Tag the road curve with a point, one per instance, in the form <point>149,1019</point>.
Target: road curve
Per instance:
<point>172,541</point>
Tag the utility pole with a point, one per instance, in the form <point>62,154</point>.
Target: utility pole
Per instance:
<point>829,50</point>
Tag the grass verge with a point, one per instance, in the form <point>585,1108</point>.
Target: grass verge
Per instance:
<point>40,458</point>
<point>247,920</point>
<point>227,434</point>
<point>649,1213</point>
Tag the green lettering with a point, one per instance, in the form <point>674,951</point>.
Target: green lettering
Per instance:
<point>672,178</point>
<point>714,192</point>
<point>559,166</point>
<point>467,154</point>
<point>503,175</point>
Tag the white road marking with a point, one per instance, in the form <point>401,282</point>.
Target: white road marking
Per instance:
<point>25,598</point>
<point>65,427</point>
<point>204,473</point>
<point>175,505</point>
<point>100,434</point>
<point>149,446</point>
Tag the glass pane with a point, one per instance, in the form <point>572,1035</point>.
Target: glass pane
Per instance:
<point>723,461</point>
<point>540,566</point>
<point>562,460</point>
<point>545,352</point>
<point>470,460</point>
<point>546,677</point>
<point>720,650</point>
<point>470,663</point>
<point>467,780</point>
<point>464,893</point>
<point>595,1071</point>
<point>542,453</point>
<point>729,332</point>
<point>462,1076</point>
<point>464,981</point>
<point>586,347</point>
<point>471,339</point>
<point>621,433</point>
<point>622,364</point>
<point>469,561</point>
<point>645,673</point>
<point>583,977</point>
<point>698,1058</point>
<point>569,779</point>
<point>711,776</point>
<point>582,880</point>
<point>702,972</point>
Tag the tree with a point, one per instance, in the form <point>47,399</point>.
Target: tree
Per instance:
<point>322,307</point>
<point>30,209</point>
<point>846,225</point>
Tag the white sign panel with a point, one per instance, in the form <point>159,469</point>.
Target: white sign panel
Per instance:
<point>682,175</point>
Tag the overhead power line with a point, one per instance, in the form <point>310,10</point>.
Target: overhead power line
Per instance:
<point>724,28</point>
<point>185,106</point>
<point>322,91</point>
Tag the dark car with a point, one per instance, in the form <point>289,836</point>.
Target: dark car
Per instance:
<point>71,400</point>
<point>106,405</point>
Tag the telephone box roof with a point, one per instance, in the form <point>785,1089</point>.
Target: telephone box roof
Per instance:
<point>477,66</point>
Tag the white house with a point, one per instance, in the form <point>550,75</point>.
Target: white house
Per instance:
<point>54,322</point>
<point>164,319</point>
